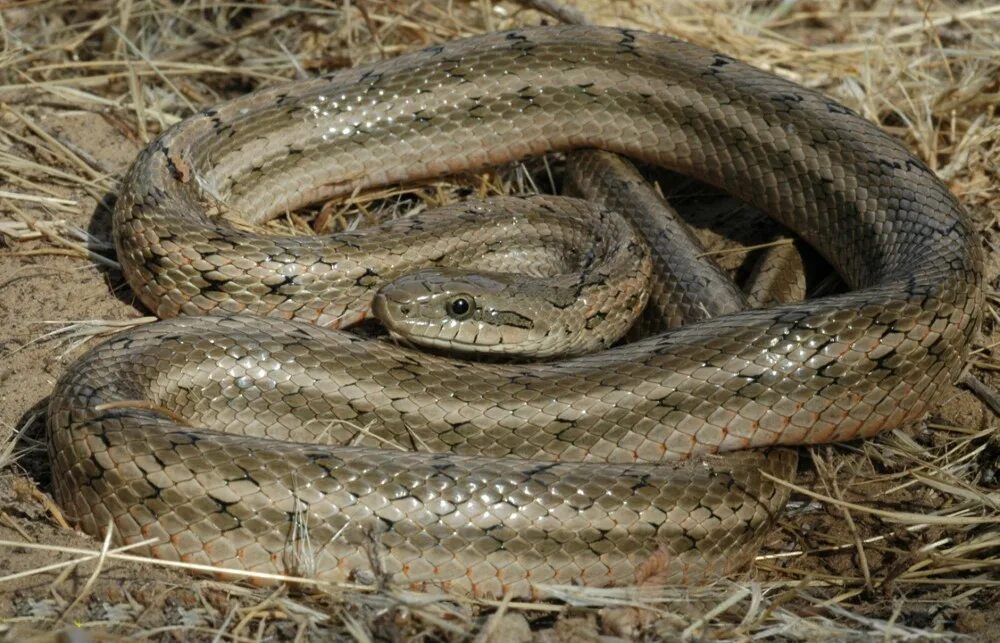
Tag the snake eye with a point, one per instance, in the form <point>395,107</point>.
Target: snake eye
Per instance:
<point>460,307</point>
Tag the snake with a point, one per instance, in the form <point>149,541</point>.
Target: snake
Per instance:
<point>249,433</point>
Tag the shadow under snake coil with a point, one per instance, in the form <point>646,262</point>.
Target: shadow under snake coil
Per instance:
<point>599,469</point>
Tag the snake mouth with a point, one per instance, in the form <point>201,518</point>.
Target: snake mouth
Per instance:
<point>433,344</point>
<point>454,346</point>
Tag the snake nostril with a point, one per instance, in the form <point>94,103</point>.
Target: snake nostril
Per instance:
<point>404,310</point>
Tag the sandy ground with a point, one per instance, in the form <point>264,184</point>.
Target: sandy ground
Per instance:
<point>861,575</point>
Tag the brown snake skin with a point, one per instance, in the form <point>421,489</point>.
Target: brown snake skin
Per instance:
<point>691,287</point>
<point>598,490</point>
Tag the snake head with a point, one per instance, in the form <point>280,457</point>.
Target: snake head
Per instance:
<point>463,312</point>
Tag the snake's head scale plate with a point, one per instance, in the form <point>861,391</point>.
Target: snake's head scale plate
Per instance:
<point>457,311</point>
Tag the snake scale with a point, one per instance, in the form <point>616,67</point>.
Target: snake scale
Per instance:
<point>599,469</point>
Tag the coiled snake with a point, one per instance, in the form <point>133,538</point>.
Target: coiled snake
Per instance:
<point>598,469</point>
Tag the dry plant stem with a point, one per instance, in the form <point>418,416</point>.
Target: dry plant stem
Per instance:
<point>560,11</point>
<point>989,396</point>
<point>13,524</point>
<point>116,553</point>
<point>26,488</point>
<point>88,586</point>
<point>86,555</point>
<point>44,229</point>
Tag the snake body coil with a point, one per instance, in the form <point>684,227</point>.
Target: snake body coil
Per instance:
<point>598,469</point>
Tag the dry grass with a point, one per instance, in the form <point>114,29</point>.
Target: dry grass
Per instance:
<point>895,538</point>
